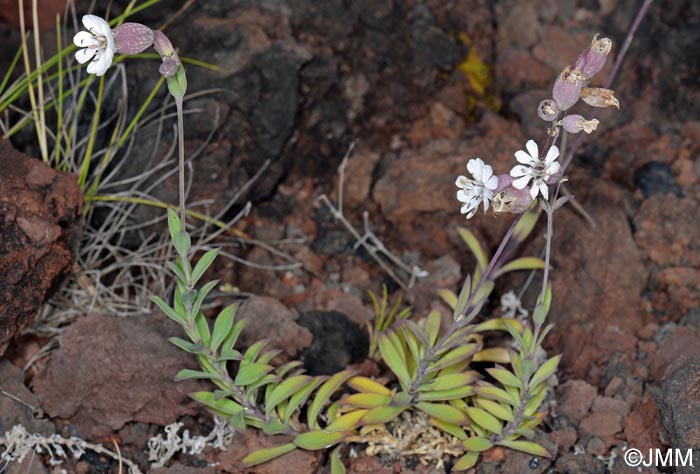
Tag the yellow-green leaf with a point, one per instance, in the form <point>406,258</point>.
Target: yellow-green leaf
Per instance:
<point>348,421</point>
<point>366,400</point>
<point>263,455</point>
<point>449,297</point>
<point>547,369</point>
<point>393,359</point>
<point>527,222</point>
<point>285,390</point>
<point>364,384</point>
<point>337,466</point>
<point>300,397</point>
<point>315,440</point>
<point>447,382</point>
<point>443,412</point>
<point>492,354</point>
<point>477,444</point>
<point>323,395</point>
<point>251,373</point>
<point>527,447</point>
<point>505,376</point>
<point>445,395</point>
<point>499,324</point>
<point>452,357</point>
<point>523,263</point>
<point>454,430</point>
<point>223,405</point>
<point>474,245</point>
<point>381,415</point>
<point>466,462</point>
<point>496,409</point>
<point>484,419</point>
<point>432,327</point>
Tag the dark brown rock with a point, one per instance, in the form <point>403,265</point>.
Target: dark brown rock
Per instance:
<point>679,409</point>
<point>267,318</point>
<point>110,371</point>
<point>677,349</point>
<point>39,212</point>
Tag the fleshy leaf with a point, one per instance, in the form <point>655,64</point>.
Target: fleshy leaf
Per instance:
<point>466,462</point>
<point>285,390</point>
<point>474,245</point>
<point>485,419</point>
<point>526,447</point>
<point>222,326</point>
<point>323,395</point>
<point>366,400</point>
<point>393,359</point>
<point>443,412</point>
<point>364,384</point>
<point>348,421</point>
<point>477,444</point>
<point>263,455</point>
<point>547,369</point>
<point>203,265</point>
<point>381,415</point>
<point>315,440</point>
<point>251,373</point>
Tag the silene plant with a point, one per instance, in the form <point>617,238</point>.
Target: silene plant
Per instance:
<point>434,404</point>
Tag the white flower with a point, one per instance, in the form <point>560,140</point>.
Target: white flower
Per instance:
<point>532,168</point>
<point>97,43</point>
<point>474,191</point>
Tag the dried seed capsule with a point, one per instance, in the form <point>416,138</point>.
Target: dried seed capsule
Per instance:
<point>548,110</point>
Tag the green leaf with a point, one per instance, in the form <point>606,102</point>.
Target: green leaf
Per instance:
<point>448,297</point>
<point>527,447</point>
<point>185,374</point>
<point>492,354</point>
<point>182,243</point>
<point>454,430</point>
<point>223,405</point>
<point>203,265</point>
<point>323,395</point>
<point>496,409</point>
<point>186,346</point>
<point>202,326</point>
<point>170,312</point>
<point>232,337</point>
<point>230,354</point>
<point>264,455</point>
<point>474,245</point>
<point>536,400</point>
<point>381,415</point>
<point>201,294</point>
<point>443,412</point>
<point>274,426</point>
<point>505,376</point>
<point>285,390</point>
<point>432,327</point>
<point>300,397</point>
<point>463,298</point>
<point>393,359</point>
<point>251,373</point>
<point>337,466</point>
<point>177,271</point>
<point>499,324</point>
<point>315,440</point>
<point>452,357</point>
<point>485,419</point>
<point>348,421</point>
<point>254,350</point>
<point>174,224</point>
<point>466,462</point>
<point>477,444</point>
<point>523,263</point>
<point>545,371</point>
<point>494,393</point>
<point>445,395</point>
<point>527,222</point>
<point>222,326</point>
<point>447,382</point>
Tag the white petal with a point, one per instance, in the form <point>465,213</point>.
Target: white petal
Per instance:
<point>96,25</point>
<point>534,191</point>
<point>461,181</point>
<point>463,196</point>
<point>553,168</point>
<point>492,183</point>
<point>486,175</point>
<point>523,157</point>
<point>100,64</point>
<point>552,154</point>
<point>476,168</point>
<point>533,149</point>
<point>520,183</point>
<point>486,205</point>
<point>85,55</point>
<point>83,39</point>
<point>540,186</point>
<point>520,170</point>
<point>472,212</point>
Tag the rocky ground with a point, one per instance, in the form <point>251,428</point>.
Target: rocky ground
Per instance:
<point>419,87</point>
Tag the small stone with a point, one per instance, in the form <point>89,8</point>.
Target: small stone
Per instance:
<point>596,446</point>
<point>575,398</point>
<point>564,438</point>
<point>619,406</point>
<point>614,386</point>
<point>603,422</point>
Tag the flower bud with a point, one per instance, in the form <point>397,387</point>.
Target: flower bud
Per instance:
<point>504,180</point>
<point>548,110</point>
<point>567,88</point>
<point>168,67</point>
<point>132,38</point>
<point>511,199</point>
<point>576,123</point>
<point>599,97</point>
<point>592,60</point>
<point>162,44</point>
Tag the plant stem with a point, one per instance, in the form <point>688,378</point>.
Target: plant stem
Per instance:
<point>181,162</point>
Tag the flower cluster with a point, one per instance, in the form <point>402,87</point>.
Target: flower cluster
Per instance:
<point>100,43</point>
<point>572,85</point>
